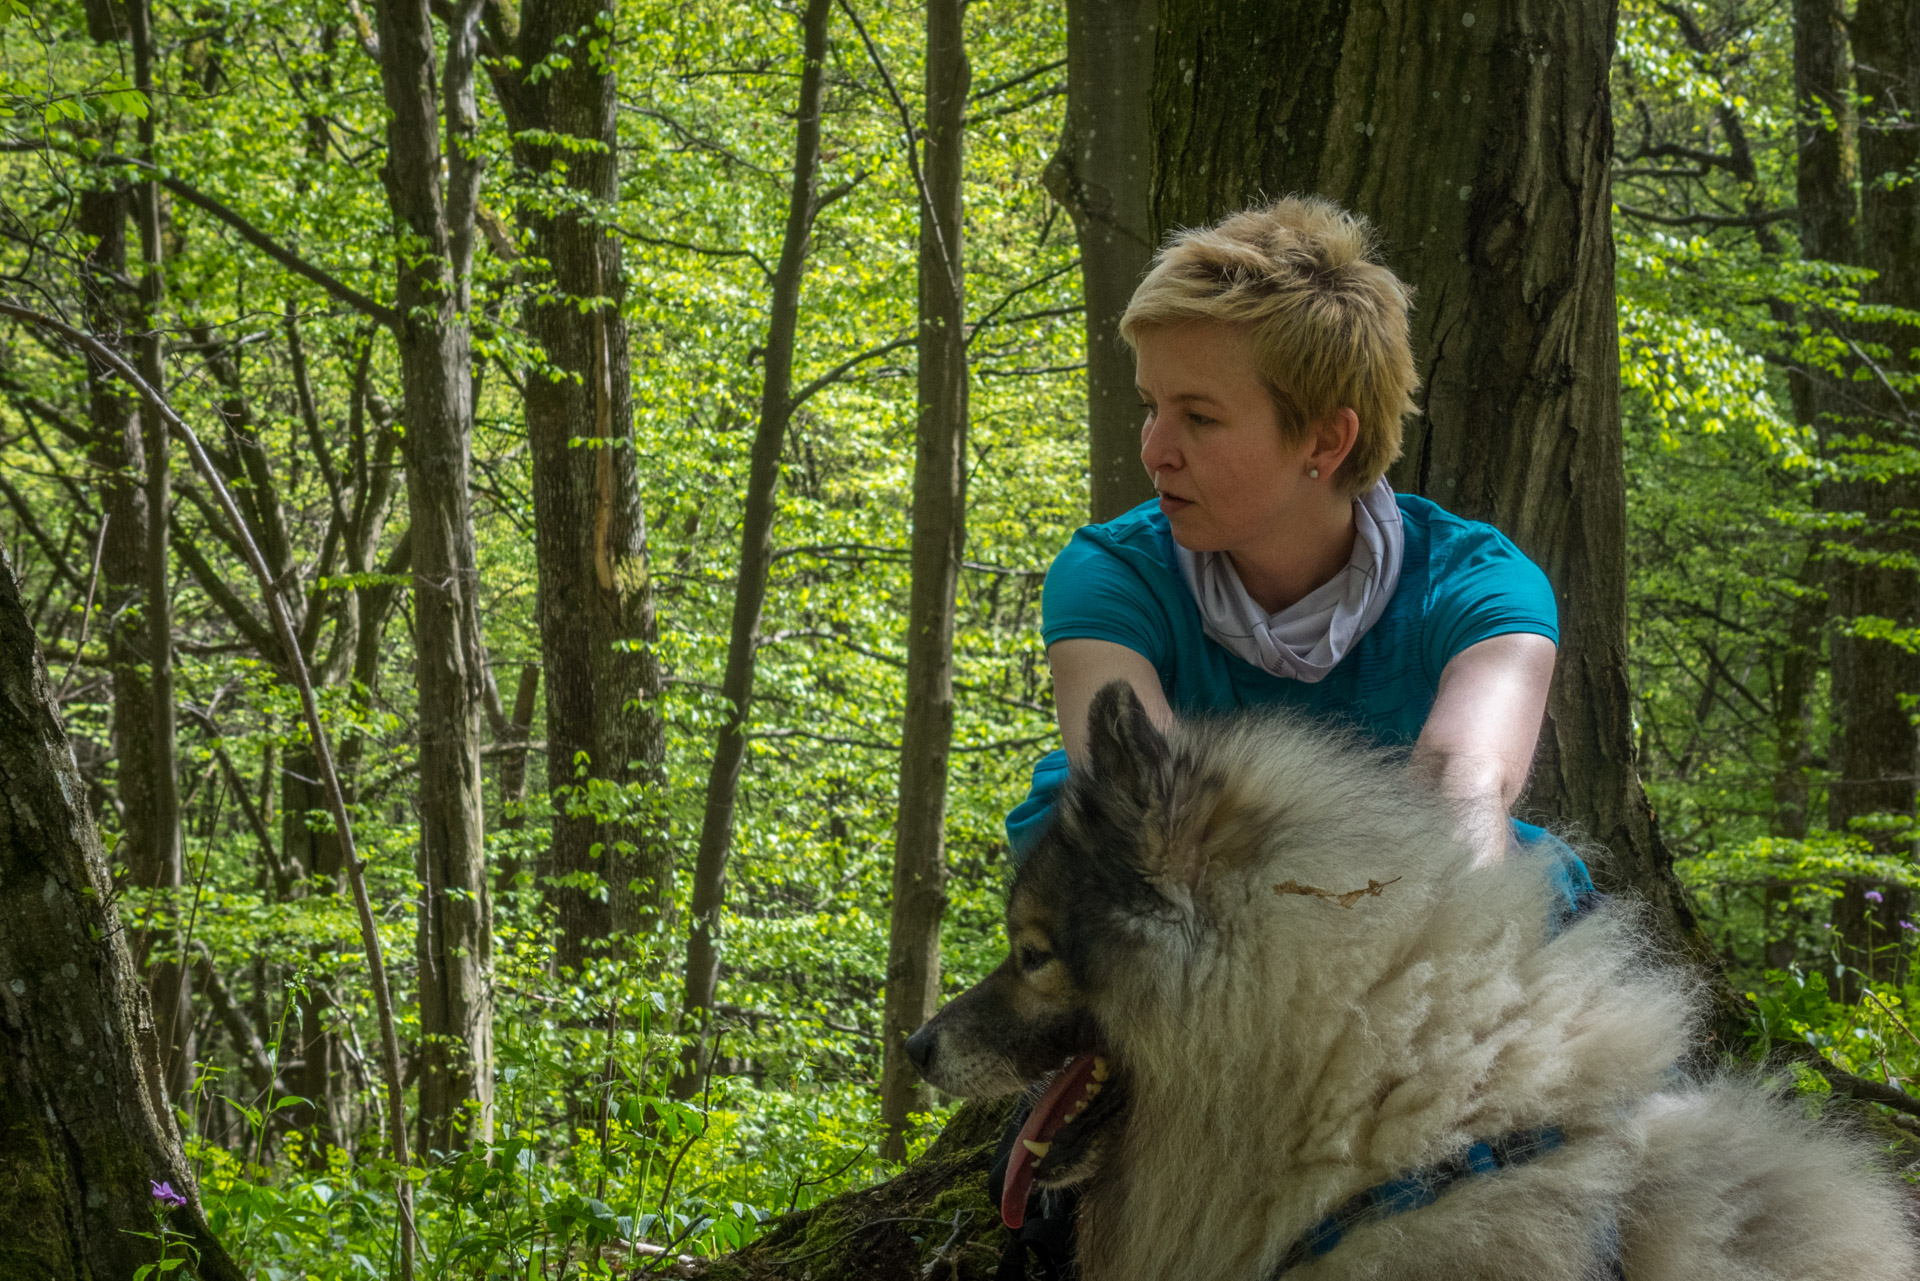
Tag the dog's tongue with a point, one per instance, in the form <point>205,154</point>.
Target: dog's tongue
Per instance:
<point>1048,1115</point>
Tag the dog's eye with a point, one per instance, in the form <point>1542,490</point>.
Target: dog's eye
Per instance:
<point>1032,958</point>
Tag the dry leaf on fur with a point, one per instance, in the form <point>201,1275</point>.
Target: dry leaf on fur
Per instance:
<point>1348,899</point>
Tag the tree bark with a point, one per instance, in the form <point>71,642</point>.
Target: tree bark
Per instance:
<point>157,863</point>
<point>1101,175</point>
<point>84,1119</point>
<point>1478,141</point>
<point>939,534</point>
<point>590,537</point>
<point>1823,186</point>
<point>119,455</point>
<point>1823,174</point>
<point>756,540</point>
<point>1877,753</point>
<point>434,193</point>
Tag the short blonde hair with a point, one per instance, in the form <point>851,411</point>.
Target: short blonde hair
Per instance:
<point>1328,322</point>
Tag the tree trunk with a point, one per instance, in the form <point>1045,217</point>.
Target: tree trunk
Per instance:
<point>1823,184</point>
<point>939,532</point>
<point>590,538</point>
<point>1478,141</point>
<point>119,456</point>
<point>513,766</point>
<point>314,858</point>
<point>157,864</point>
<point>1877,753</point>
<point>84,1120</point>
<point>756,541</point>
<point>1101,175</point>
<point>434,193</point>
<point>1823,176</point>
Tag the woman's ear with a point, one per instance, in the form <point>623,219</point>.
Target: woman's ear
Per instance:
<point>1333,438</point>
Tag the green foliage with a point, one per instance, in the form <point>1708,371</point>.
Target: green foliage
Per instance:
<point>278,111</point>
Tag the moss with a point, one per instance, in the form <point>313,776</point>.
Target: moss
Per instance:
<point>891,1231</point>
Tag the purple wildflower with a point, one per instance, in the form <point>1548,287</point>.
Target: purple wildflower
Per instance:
<point>1909,925</point>
<point>1875,896</point>
<point>165,1195</point>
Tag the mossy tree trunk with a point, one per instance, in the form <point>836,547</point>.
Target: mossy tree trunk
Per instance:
<point>1869,423</point>
<point>84,1124</point>
<point>590,535</point>
<point>1478,139</point>
<point>1100,175</point>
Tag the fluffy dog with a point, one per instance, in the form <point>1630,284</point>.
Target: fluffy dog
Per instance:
<point>1303,1035</point>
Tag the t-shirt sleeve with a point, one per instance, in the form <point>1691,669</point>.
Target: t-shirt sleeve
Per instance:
<point>1487,588</point>
<point>1093,592</point>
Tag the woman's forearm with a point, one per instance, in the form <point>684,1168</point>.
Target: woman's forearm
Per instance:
<point>1081,668</point>
<point>1478,742</point>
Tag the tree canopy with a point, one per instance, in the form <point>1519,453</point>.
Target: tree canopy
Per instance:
<point>593,260</point>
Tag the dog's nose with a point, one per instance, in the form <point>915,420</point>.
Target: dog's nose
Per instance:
<point>920,1047</point>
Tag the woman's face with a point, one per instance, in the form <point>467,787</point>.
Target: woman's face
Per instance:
<point>1226,476</point>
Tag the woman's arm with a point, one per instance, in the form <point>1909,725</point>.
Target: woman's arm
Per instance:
<point>1479,739</point>
<point>1081,668</point>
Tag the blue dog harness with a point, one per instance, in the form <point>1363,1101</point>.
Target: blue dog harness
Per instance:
<point>1422,1188</point>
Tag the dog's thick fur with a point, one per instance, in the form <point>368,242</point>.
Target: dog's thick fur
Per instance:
<point>1274,1053</point>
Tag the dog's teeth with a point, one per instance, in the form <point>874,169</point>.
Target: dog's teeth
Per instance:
<point>1038,1149</point>
<point>1092,1088</point>
<point>1100,1070</point>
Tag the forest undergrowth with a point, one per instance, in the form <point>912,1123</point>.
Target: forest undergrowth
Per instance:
<point>600,1156</point>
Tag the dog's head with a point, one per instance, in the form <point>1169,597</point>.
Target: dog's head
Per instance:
<point>1101,920</point>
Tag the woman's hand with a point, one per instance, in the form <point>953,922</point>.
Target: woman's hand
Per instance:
<point>1081,668</point>
<point>1477,744</point>
<point>1478,741</point>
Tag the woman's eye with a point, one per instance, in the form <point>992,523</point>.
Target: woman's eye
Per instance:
<point>1200,420</point>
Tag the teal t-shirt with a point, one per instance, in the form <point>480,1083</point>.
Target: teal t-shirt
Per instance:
<point>1461,582</point>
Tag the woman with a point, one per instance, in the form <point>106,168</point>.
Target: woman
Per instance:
<point>1276,567</point>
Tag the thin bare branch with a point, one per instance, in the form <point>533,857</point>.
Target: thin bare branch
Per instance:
<point>912,139</point>
<point>310,706</point>
<point>844,368</point>
<point>264,243</point>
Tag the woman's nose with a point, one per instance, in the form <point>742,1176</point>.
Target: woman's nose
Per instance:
<point>1158,450</point>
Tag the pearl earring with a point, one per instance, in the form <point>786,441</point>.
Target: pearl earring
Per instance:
<point>1314,474</point>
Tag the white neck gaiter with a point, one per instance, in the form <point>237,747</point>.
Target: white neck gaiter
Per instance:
<point>1303,641</point>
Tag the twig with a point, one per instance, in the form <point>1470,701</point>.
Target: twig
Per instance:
<point>323,751</point>
<point>987,319</point>
<point>913,143</point>
<point>1707,220</point>
<point>1880,377</point>
<point>1345,898</point>
<point>1897,1021</point>
<point>942,1255</point>
<point>801,1181</point>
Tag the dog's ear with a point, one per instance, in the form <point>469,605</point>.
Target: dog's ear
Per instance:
<point>1175,817</point>
<point>1123,746</point>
